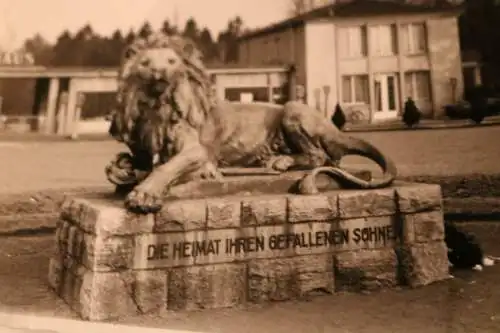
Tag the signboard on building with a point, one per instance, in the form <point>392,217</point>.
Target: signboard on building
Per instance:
<point>16,58</point>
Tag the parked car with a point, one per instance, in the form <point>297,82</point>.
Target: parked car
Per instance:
<point>479,99</point>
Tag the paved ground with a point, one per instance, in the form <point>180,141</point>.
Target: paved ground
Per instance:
<point>469,303</point>
<point>27,166</point>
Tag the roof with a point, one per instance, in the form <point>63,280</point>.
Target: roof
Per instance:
<point>357,8</point>
<point>31,72</point>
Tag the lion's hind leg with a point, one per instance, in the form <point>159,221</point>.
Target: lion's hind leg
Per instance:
<point>307,150</point>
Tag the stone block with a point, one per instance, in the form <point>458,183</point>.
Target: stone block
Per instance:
<point>273,239</point>
<point>62,237</point>
<point>263,210</point>
<point>111,295</point>
<point>67,288</point>
<point>366,269</point>
<point>288,278</point>
<point>99,217</point>
<point>367,233</point>
<point>223,213</point>
<point>423,263</point>
<point>106,295</point>
<point>164,250</point>
<point>206,287</point>
<point>307,208</point>
<point>314,274</point>
<point>181,215</point>
<point>150,290</point>
<point>74,235</point>
<point>223,251</point>
<point>56,271</point>
<point>415,197</point>
<point>423,227</point>
<point>107,254</point>
<point>362,203</point>
<point>226,245</point>
<point>72,283</point>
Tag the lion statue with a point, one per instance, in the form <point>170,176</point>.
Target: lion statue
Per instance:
<point>176,130</point>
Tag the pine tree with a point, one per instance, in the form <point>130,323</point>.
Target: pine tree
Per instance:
<point>146,30</point>
<point>168,28</point>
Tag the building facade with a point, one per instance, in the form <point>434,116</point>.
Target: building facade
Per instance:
<point>368,56</point>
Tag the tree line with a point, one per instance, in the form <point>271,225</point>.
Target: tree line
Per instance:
<point>88,48</point>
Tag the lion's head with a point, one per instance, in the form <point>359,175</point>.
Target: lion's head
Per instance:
<point>162,80</point>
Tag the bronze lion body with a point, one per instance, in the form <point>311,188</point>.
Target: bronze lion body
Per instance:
<point>176,130</point>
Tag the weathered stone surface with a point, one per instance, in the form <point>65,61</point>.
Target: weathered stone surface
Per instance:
<point>62,236</point>
<point>423,227</point>
<point>269,235</point>
<point>225,246</point>
<point>366,269</point>
<point>287,278</point>
<point>107,254</point>
<point>423,263</point>
<point>56,271</point>
<point>72,241</point>
<point>182,215</point>
<point>314,274</point>
<point>106,295</point>
<point>221,252</point>
<point>223,213</point>
<point>206,287</point>
<point>368,233</point>
<point>163,250</point>
<point>101,217</point>
<point>243,182</point>
<point>150,290</point>
<point>358,203</point>
<point>306,208</point>
<point>413,197</point>
<point>67,288</point>
<point>263,210</point>
<point>75,280</point>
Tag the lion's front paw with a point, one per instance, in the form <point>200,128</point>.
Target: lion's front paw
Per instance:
<point>143,202</point>
<point>281,163</point>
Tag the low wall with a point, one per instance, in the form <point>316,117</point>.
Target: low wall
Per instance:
<point>227,251</point>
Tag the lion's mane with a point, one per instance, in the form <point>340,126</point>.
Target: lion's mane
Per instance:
<point>144,121</point>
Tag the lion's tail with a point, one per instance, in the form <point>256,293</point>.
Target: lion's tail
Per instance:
<point>356,146</point>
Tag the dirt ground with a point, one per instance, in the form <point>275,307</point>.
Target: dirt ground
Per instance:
<point>468,303</point>
<point>32,166</point>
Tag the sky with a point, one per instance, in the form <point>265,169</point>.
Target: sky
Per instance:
<point>23,18</point>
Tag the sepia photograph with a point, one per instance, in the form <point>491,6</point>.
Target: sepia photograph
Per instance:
<point>270,166</point>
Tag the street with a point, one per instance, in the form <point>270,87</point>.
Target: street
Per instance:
<point>29,166</point>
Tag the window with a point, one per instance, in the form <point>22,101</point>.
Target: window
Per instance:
<point>383,40</point>
<point>353,42</point>
<point>355,89</point>
<point>418,85</point>
<point>414,38</point>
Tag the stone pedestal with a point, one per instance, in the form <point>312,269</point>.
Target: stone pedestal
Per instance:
<point>230,250</point>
